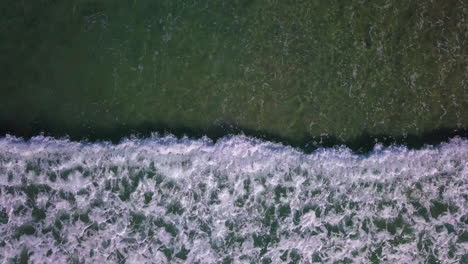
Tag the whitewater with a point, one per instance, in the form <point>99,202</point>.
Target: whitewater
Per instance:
<point>164,199</point>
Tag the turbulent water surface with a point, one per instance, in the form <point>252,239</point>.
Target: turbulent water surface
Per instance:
<point>306,73</point>
<point>239,200</point>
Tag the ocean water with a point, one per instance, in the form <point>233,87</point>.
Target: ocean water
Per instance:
<point>293,70</point>
<point>233,131</point>
<point>237,200</point>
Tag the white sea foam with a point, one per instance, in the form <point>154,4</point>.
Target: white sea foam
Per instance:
<point>241,200</point>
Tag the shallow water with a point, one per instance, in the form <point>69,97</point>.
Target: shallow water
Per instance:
<point>239,200</point>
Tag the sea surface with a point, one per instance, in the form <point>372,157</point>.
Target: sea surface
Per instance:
<point>239,200</point>
<point>233,131</point>
<point>294,70</point>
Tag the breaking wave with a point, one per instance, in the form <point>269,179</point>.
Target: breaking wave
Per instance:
<point>239,200</point>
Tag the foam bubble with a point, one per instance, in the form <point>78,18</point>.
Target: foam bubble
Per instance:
<point>240,200</point>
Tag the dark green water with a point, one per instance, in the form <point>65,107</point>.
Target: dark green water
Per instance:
<point>289,70</point>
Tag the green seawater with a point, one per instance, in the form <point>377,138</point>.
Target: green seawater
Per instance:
<point>292,70</point>
<point>306,73</point>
